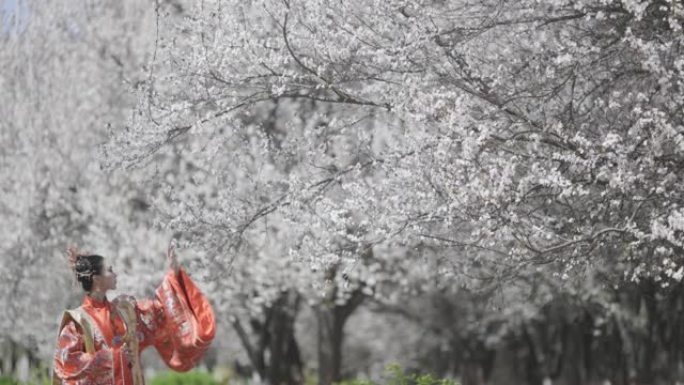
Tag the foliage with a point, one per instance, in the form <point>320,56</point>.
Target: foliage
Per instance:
<point>540,141</point>
<point>395,375</point>
<point>5,380</point>
<point>194,377</point>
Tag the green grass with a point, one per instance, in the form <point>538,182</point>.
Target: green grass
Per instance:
<point>4,380</point>
<point>394,375</point>
<point>188,378</point>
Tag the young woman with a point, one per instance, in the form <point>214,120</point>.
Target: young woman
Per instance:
<point>100,341</point>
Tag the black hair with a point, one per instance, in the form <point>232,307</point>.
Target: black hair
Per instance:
<point>86,267</point>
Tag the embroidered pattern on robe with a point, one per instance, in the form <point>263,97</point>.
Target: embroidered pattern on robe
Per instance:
<point>179,322</point>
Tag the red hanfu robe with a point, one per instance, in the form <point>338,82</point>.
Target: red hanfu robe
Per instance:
<point>179,322</point>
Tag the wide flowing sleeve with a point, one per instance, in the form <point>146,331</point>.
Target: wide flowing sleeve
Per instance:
<point>179,321</point>
<point>72,362</point>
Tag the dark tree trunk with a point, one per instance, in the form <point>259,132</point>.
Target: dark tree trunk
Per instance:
<point>332,316</point>
<point>272,346</point>
<point>331,320</point>
<point>472,373</point>
<point>285,360</point>
<point>330,339</point>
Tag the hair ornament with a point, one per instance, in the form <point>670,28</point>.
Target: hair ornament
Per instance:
<point>73,257</point>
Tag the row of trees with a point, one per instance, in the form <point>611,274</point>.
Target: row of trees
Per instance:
<point>502,177</point>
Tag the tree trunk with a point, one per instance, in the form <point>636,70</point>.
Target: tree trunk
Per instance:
<point>472,373</point>
<point>272,345</point>
<point>331,320</point>
<point>330,339</point>
<point>285,364</point>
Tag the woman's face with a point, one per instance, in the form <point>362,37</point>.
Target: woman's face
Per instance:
<point>106,280</point>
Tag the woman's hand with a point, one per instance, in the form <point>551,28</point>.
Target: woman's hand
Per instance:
<point>171,256</point>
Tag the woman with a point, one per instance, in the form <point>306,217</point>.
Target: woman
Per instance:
<point>100,341</point>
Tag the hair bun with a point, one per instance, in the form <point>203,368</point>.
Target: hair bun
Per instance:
<point>72,257</point>
<point>84,266</point>
<point>78,262</point>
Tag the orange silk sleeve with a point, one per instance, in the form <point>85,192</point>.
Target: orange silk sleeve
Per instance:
<point>179,321</point>
<point>73,364</point>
